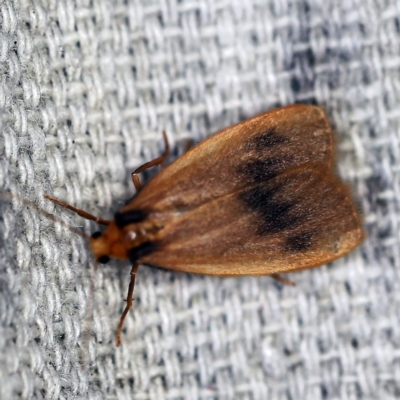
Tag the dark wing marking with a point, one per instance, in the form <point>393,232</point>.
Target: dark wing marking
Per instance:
<point>300,242</point>
<point>128,217</point>
<point>302,218</point>
<point>145,249</point>
<point>276,216</point>
<point>253,151</point>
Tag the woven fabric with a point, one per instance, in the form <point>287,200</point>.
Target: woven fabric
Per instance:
<point>86,87</point>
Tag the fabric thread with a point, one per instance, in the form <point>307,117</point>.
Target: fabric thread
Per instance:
<point>86,87</point>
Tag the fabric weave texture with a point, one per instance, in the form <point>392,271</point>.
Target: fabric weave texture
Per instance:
<point>86,87</point>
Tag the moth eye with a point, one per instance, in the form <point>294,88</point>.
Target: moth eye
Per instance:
<point>96,235</point>
<point>103,259</point>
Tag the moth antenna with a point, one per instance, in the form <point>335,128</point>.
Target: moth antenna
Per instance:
<point>156,161</point>
<point>89,318</point>
<point>78,211</point>
<point>129,302</point>
<point>51,217</point>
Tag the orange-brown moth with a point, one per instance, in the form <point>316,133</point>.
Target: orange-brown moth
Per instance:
<point>257,198</point>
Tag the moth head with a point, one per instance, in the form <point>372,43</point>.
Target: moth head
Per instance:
<point>111,243</point>
<point>100,246</point>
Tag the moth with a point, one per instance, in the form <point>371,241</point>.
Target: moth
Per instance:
<point>257,198</point>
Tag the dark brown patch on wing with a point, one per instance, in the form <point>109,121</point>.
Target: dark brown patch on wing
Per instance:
<point>145,249</point>
<point>300,242</point>
<point>267,139</point>
<point>124,218</point>
<point>276,215</point>
<point>258,170</point>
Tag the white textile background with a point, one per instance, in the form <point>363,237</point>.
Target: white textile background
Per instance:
<point>86,87</point>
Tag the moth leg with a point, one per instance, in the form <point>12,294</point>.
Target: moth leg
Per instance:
<point>78,211</point>
<point>156,161</point>
<point>129,302</point>
<point>283,280</point>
